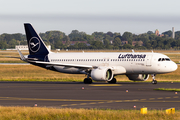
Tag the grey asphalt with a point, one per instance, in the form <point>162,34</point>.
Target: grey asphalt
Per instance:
<point>123,95</point>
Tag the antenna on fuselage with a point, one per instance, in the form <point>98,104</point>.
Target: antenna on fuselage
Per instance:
<point>152,51</point>
<point>132,50</point>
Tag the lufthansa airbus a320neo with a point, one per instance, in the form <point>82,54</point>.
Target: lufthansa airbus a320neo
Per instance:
<point>97,66</point>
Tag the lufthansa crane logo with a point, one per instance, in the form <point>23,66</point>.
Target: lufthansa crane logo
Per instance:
<point>34,44</point>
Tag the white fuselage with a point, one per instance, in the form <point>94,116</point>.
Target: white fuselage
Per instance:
<point>121,63</point>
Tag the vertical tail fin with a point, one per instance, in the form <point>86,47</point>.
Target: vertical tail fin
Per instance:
<point>35,44</point>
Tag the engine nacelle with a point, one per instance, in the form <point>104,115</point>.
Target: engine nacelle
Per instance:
<point>138,77</point>
<point>102,73</point>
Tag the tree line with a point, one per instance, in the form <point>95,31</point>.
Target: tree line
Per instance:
<point>97,40</point>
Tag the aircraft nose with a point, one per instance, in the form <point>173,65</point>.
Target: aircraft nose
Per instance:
<point>174,66</point>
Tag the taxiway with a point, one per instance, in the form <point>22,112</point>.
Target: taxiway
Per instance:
<point>123,95</point>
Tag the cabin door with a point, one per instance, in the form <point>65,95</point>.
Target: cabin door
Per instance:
<point>148,60</point>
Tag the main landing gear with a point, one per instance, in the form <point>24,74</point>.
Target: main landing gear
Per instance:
<point>87,80</point>
<point>153,77</point>
<point>112,81</point>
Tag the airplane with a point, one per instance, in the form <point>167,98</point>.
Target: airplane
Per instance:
<point>97,66</point>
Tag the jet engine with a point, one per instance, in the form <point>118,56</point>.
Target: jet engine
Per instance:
<point>102,73</point>
<point>138,77</point>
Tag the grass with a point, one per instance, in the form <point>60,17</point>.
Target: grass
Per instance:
<point>174,57</point>
<point>34,73</point>
<point>169,89</point>
<point>11,60</point>
<point>36,113</point>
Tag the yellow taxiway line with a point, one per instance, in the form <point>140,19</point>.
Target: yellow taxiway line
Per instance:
<point>105,85</point>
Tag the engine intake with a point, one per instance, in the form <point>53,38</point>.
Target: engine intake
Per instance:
<point>102,74</point>
<point>138,77</point>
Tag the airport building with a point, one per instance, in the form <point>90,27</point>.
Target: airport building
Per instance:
<point>25,47</point>
<point>21,47</point>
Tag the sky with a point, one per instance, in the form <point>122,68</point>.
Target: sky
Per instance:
<point>136,16</point>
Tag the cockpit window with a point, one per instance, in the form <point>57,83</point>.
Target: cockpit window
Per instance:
<point>167,59</point>
<point>164,59</point>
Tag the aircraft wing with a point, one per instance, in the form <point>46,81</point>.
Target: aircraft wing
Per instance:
<point>62,64</point>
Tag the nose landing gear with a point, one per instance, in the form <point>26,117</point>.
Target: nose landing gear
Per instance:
<point>153,77</point>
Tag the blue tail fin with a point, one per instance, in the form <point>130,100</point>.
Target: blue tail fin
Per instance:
<point>35,44</point>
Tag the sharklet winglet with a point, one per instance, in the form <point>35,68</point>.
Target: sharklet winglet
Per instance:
<point>21,55</point>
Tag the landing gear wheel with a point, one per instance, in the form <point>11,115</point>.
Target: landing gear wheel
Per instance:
<point>153,77</point>
<point>112,81</point>
<point>154,82</point>
<point>87,80</point>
